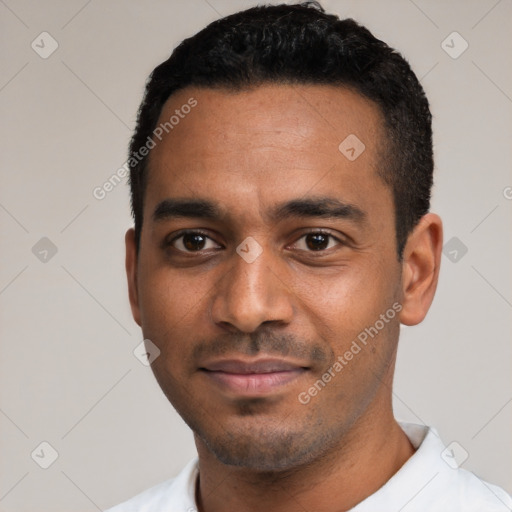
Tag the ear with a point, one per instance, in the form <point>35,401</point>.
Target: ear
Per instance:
<point>131,273</point>
<point>420,268</point>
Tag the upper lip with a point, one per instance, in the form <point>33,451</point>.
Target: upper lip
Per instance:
<point>267,365</point>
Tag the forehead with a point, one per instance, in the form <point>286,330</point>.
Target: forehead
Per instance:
<point>274,114</point>
<point>267,143</point>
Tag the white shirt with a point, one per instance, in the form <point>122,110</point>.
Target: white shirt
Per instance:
<point>429,481</point>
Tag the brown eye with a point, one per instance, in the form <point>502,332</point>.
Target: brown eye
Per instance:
<point>194,241</point>
<point>317,241</point>
<point>191,241</point>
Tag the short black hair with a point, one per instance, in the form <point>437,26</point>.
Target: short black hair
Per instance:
<point>301,44</point>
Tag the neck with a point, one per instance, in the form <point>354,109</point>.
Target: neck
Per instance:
<point>363,461</point>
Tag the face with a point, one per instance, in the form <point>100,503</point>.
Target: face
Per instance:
<point>255,293</point>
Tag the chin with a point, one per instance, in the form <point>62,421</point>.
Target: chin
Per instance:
<point>264,450</point>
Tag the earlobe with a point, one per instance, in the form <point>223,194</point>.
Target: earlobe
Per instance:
<point>420,268</point>
<point>131,274</point>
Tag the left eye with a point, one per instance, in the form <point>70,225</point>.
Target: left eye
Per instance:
<point>317,241</point>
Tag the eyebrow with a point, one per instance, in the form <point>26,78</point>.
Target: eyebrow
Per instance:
<point>315,207</point>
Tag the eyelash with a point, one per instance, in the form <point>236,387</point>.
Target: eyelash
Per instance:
<point>200,232</point>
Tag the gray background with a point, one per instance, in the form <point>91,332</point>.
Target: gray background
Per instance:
<point>68,375</point>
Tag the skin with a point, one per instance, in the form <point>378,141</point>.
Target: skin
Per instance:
<point>249,151</point>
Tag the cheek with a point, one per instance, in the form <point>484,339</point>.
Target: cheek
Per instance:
<point>170,309</point>
<point>347,315</point>
<point>345,303</point>
<point>167,297</point>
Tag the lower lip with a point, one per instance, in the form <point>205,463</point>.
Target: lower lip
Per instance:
<point>254,383</point>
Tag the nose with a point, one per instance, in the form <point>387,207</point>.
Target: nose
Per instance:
<point>252,293</point>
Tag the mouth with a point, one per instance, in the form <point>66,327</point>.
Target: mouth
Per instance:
<point>252,378</point>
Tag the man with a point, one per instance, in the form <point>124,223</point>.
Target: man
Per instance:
<point>281,175</point>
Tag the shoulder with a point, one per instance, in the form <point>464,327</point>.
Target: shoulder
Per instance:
<point>146,500</point>
<point>440,484</point>
<point>466,491</point>
<point>431,481</point>
<point>173,494</point>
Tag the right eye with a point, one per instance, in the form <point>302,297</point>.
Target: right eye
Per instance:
<point>190,241</point>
